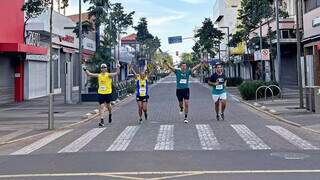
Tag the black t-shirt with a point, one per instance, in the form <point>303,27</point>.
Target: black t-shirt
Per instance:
<point>220,88</point>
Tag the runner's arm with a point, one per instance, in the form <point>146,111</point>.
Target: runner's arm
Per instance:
<point>196,67</point>
<point>170,67</point>
<point>132,70</point>
<point>89,73</point>
<point>115,73</point>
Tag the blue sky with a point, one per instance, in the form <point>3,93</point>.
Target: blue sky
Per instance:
<point>166,18</point>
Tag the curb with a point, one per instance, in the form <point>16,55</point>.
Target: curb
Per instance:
<point>86,118</point>
<point>276,117</point>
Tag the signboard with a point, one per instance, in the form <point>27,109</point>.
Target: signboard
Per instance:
<point>316,22</point>
<point>175,39</point>
<point>68,38</point>
<point>265,54</point>
<point>33,39</point>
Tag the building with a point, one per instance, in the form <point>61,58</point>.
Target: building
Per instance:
<point>311,41</point>
<point>13,51</point>
<point>66,63</point>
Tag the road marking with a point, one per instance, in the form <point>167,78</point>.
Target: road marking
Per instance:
<point>165,138</point>
<point>292,138</point>
<point>14,135</point>
<point>249,137</point>
<point>76,145</point>
<point>40,143</point>
<point>207,139</point>
<point>163,173</point>
<point>124,139</point>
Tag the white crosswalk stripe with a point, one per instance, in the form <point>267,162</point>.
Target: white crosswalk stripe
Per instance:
<point>82,141</point>
<point>124,139</point>
<point>14,135</point>
<point>249,137</point>
<point>207,139</point>
<point>40,143</point>
<point>165,140</point>
<point>292,138</point>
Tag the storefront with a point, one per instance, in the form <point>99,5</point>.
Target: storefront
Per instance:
<point>65,58</point>
<point>13,51</point>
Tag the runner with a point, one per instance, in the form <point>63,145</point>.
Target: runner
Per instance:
<point>183,91</point>
<point>142,92</point>
<point>218,82</point>
<point>104,90</point>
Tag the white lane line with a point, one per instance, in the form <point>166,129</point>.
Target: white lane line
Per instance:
<point>207,139</point>
<point>40,143</point>
<point>124,139</point>
<point>292,138</point>
<point>76,145</point>
<point>249,137</point>
<point>165,139</point>
<point>14,135</point>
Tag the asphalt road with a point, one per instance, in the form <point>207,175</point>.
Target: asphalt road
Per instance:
<point>247,145</point>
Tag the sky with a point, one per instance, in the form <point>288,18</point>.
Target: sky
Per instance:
<point>166,18</point>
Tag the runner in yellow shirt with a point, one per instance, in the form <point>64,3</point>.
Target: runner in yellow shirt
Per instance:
<point>104,90</point>
<point>142,92</point>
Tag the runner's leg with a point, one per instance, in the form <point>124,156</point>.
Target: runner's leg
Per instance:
<point>145,109</point>
<point>101,113</point>
<point>110,112</point>
<point>139,108</point>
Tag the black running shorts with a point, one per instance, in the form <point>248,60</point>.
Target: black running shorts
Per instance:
<point>183,94</point>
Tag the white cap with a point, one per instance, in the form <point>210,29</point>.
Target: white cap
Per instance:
<point>103,65</point>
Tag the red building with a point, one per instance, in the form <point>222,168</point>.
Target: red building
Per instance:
<point>13,51</point>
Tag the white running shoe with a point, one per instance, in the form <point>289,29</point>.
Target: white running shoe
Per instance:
<point>186,121</point>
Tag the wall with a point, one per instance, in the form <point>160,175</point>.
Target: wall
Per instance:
<point>11,20</point>
<point>310,31</point>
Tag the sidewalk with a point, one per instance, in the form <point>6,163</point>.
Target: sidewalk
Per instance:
<point>286,109</point>
<point>31,117</point>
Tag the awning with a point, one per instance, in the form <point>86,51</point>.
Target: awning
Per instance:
<point>22,48</point>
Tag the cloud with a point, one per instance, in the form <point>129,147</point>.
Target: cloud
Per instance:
<point>195,1</point>
<point>164,19</point>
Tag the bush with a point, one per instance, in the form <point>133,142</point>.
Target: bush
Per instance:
<point>235,81</point>
<point>248,89</point>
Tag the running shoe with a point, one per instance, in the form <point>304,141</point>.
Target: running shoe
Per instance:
<point>218,117</point>
<point>222,116</point>
<point>140,121</point>
<point>186,121</point>
<point>181,111</point>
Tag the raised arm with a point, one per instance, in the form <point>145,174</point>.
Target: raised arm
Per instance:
<point>196,67</point>
<point>115,73</point>
<point>89,73</point>
<point>170,67</point>
<point>132,70</point>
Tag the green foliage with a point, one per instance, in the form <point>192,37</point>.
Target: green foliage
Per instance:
<point>248,89</point>
<point>87,27</point>
<point>189,59</point>
<point>236,81</point>
<point>209,37</point>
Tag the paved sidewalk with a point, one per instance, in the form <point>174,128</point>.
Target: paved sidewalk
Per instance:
<point>288,109</point>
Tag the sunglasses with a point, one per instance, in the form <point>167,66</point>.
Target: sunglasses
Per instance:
<point>103,67</point>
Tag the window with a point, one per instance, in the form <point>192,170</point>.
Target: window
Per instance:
<point>285,34</point>
<point>311,4</point>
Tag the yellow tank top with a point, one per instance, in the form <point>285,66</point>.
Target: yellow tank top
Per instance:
<point>105,84</point>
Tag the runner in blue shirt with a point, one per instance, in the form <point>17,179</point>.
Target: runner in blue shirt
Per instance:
<point>218,82</point>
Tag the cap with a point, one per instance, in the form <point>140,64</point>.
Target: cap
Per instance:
<point>103,66</point>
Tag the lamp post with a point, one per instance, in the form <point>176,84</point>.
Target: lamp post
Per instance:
<point>299,52</point>
<point>228,39</point>
<point>80,51</point>
<point>278,41</point>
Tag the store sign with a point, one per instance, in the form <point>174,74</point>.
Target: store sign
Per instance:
<point>38,57</point>
<point>316,22</point>
<point>263,55</point>
<point>33,39</point>
<point>89,44</point>
<point>68,38</point>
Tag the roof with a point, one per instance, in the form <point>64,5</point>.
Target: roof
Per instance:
<point>131,37</point>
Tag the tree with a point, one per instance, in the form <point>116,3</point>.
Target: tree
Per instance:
<point>99,10</point>
<point>87,27</point>
<point>208,38</point>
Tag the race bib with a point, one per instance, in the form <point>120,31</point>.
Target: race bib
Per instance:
<point>219,87</point>
<point>183,81</point>
<point>103,88</point>
<point>142,90</point>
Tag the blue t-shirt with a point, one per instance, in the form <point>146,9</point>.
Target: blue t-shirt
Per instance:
<point>219,89</point>
<point>183,79</point>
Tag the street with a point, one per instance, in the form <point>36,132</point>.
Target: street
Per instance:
<point>247,145</point>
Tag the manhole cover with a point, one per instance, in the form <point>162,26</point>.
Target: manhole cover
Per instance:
<point>290,156</point>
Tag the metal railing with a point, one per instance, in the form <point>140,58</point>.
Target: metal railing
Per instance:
<point>266,91</point>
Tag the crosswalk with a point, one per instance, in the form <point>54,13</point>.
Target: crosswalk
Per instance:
<point>164,139</point>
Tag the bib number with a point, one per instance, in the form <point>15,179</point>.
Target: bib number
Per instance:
<point>142,90</point>
<point>103,88</point>
<point>183,81</point>
<point>219,87</point>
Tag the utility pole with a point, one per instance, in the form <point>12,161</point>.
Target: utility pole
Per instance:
<point>298,35</point>
<point>50,113</point>
<point>262,63</point>
<point>80,51</point>
<point>278,42</point>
